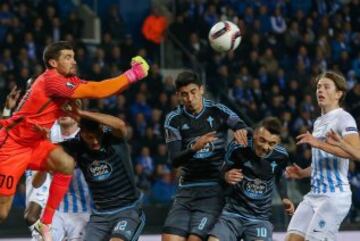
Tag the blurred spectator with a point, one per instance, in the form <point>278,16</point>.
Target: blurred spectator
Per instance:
<point>197,47</point>
<point>31,47</point>
<point>74,25</point>
<point>113,23</point>
<point>265,21</point>
<point>6,18</point>
<point>269,61</point>
<point>140,106</point>
<point>354,179</point>
<point>153,30</point>
<point>161,159</point>
<point>353,103</point>
<point>139,125</point>
<point>278,23</point>
<point>179,28</point>
<point>169,85</point>
<point>156,123</point>
<point>304,120</point>
<point>163,188</point>
<point>144,168</point>
<point>128,48</point>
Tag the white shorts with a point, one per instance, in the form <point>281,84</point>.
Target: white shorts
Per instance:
<point>38,195</point>
<point>69,226</point>
<point>318,217</point>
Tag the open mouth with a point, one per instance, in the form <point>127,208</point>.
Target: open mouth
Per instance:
<point>321,98</point>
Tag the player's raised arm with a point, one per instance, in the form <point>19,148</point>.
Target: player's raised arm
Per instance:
<point>60,78</point>
<point>117,125</point>
<point>91,89</point>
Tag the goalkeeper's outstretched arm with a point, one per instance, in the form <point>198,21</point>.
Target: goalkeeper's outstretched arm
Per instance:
<point>92,89</point>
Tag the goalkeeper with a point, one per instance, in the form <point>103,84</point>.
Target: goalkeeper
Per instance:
<point>23,144</point>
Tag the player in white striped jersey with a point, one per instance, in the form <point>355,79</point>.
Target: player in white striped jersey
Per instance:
<point>73,213</point>
<point>319,215</point>
<point>35,200</point>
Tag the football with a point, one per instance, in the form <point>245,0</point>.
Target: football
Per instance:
<point>224,36</point>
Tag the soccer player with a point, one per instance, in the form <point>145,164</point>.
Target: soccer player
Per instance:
<point>319,215</point>
<point>104,158</point>
<point>35,200</point>
<point>35,197</point>
<point>74,211</point>
<point>196,134</point>
<point>251,169</point>
<point>23,146</point>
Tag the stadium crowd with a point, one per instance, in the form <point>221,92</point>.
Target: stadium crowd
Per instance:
<point>284,45</point>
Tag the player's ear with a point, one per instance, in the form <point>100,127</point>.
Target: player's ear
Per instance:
<point>202,89</point>
<point>339,94</point>
<point>277,138</point>
<point>52,63</point>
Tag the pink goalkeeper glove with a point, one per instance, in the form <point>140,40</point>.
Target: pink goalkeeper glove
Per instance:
<point>139,69</point>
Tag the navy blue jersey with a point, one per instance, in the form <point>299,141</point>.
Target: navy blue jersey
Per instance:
<point>252,196</point>
<point>108,172</point>
<point>182,129</point>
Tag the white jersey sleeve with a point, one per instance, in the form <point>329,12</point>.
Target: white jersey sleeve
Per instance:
<point>346,124</point>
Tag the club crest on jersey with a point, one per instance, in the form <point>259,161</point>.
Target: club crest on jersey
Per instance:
<point>70,85</point>
<point>210,120</point>
<point>100,170</point>
<point>273,166</point>
<point>322,224</point>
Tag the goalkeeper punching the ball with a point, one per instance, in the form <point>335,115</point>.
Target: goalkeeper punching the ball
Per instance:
<point>23,144</point>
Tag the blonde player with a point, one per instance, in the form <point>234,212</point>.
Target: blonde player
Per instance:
<point>320,214</point>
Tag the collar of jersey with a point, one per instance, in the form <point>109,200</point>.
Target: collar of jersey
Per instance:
<point>331,112</point>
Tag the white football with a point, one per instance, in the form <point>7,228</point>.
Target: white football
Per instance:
<point>224,36</point>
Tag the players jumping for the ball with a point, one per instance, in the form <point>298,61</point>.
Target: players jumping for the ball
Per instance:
<point>251,170</point>
<point>196,134</point>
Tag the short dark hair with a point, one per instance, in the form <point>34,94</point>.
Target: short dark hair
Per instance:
<point>186,78</point>
<point>89,125</point>
<point>272,124</point>
<point>338,79</point>
<point>52,51</point>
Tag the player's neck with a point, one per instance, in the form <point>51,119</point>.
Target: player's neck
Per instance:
<point>327,109</point>
<point>199,109</point>
<point>68,130</point>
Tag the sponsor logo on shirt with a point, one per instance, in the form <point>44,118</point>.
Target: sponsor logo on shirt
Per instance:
<point>100,170</point>
<point>205,152</point>
<point>254,188</point>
